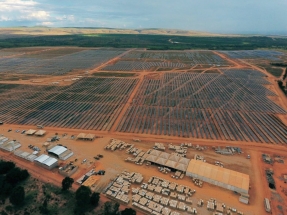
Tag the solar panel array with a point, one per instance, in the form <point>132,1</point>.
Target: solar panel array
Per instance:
<point>57,65</point>
<point>90,103</point>
<point>139,65</point>
<point>229,106</point>
<point>253,54</point>
<point>190,57</point>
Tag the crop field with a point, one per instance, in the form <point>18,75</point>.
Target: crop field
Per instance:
<point>254,54</point>
<point>191,57</point>
<point>139,65</point>
<point>90,103</point>
<point>56,65</point>
<point>210,106</point>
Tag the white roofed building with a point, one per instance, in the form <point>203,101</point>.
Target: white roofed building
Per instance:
<point>46,161</point>
<point>60,152</point>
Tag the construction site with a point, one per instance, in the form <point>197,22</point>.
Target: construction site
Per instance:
<point>163,132</point>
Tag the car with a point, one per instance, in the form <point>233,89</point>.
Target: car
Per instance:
<point>101,172</point>
<point>9,130</point>
<point>84,161</point>
<point>23,131</point>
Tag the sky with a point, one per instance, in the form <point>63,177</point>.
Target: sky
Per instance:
<point>216,16</point>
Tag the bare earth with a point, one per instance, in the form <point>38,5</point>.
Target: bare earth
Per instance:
<point>113,162</point>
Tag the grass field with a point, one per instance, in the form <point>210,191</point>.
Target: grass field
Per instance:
<point>152,42</point>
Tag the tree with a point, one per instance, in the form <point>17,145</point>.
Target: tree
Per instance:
<point>67,183</point>
<point>111,208</point>
<point>43,208</point>
<point>83,194</point>
<point>5,167</point>
<point>95,198</point>
<point>128,211</point>
<point>16,175</point>
<point>17,196</point>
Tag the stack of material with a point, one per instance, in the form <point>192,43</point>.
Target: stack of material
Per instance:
<point>165,211</point>
<point>157,198</point>
<point>210,206</point>
<point>173,203</point>
<point>164,201</point>
<point>181,206</point>
<point>159,146</point>
<point>136,198</point>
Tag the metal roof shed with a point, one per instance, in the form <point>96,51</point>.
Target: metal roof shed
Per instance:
<point>42,158</point>
<point>57,150</point>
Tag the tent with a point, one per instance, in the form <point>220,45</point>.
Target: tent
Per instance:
<point>81,136</point>
<point>174,157</point>
<point>160,161</point>
<point>90,136</point>
<point>184,161</point>
<point>164,155</point>
<point>181,167</point>
<point>170,164</point>
<point>155,152</point>
<point>40,132</point>
<point>151,158</point>
<point>30,132</point>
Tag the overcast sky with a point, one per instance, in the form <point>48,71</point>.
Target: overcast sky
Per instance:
<point>218,16</point>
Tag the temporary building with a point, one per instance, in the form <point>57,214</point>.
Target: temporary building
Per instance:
<point>30,132</point>
<point>219,176</point>
<point>46,161</point>
<point>170,164</point>
<point>151,158</point>
<point>155,152</point>
<point>160,161</point>
<point>184,161</point>
<point>60,152</point>
<point>46,144</point>
<point>81,136</point>
<point>90,137</point>
<point>174,157</point>
<point>181,167</point>
<point>40,132</point>
<point>164,155</point>
<point>167,160</point>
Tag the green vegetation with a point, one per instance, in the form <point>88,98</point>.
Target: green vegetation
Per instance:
<point>128,211</point>
<point>111,208</point>
<point>67,183</point>
<point>113,74</point>
<point>17,196</point>
<point>152,42</point>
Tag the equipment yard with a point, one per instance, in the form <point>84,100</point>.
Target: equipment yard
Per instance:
<point>164,132</point>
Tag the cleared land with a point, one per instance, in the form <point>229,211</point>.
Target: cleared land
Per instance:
<point>208,102</point>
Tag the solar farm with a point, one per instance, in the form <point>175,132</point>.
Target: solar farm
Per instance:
<point>254,54</point>
<point>147,60</point>
<point>190,103</point>
<point>155,113</point>
<point>212,106</point>
<point>192,57</point>
<point>91,103</point>
<point>33,64</point>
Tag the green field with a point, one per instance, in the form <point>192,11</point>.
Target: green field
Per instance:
<point>152,42</point>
